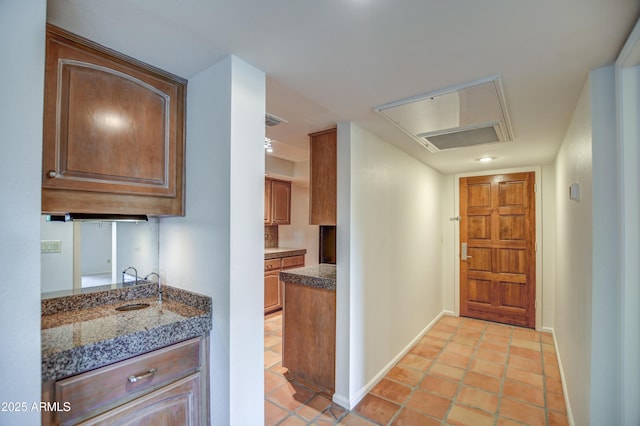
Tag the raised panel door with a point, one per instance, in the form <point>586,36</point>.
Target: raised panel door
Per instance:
<point>497,277</point>
<point>280,202</point>
<point>177,404</point>
<point>113,139</point>
<point>323,178</point>
<point>272,291</point>
<point>267,201</point>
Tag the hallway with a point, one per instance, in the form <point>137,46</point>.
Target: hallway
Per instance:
<point>462,372</point>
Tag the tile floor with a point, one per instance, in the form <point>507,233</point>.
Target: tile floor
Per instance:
<point>462,372</point>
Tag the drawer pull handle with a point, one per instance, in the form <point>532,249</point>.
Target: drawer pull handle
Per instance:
<point>150,372</point>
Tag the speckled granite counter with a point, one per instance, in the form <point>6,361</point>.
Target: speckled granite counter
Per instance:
<point>319,276</point>
<point>276,252</point>
<point>83,332</point>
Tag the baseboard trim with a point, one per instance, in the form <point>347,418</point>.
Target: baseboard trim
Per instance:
<point>357,397</point>
<point>341,401</point>
<point>562,377</point>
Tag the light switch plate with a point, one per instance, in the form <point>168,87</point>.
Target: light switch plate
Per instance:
<point>574,191</point>
<point>50,246</point>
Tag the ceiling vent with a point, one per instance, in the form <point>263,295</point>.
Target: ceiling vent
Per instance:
<point>273,120</point>
<point>458,117</point>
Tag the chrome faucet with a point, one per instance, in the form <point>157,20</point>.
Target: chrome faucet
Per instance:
<point>125,271</point>
<point>159,285</point>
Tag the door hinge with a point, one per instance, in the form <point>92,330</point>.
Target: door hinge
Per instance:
<point>536,304</point>
<point>535,188</point>
<point>535,246</point>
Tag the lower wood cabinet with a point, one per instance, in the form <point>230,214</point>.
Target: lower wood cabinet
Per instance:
<point>272,291</point>
<point>174,404</point>
<point>309,336</point>
<point>167,387</point>
<point>273,287</point>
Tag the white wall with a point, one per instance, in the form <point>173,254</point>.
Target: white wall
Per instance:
<point>605,297</point>
<point>548,246</point>
<point>450,234</point>
<point>628,110</point>
<point>22,27</point>
<point>394,232</point>
<point>217,249</point>
<point>572,316</point>
<point>96,247</point>
<point>588,292</point>
<point>57,268</point>
<point>137,246</point>
<point>299,234</point>
<point>587,302</point>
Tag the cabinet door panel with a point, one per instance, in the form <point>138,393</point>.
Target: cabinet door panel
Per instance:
<point>112,125</point>
<point>277,202</point>
<point>272,292</point>
<point>323,178</point>
<point>292,262</point>
<point>104,133</point>
<point>267,201</point>
<point>177,404</point>
<point>281,202</point>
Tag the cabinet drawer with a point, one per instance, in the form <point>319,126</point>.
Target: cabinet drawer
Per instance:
<point>100,389</point>
<point>292,262</point>
<point>272,264</point>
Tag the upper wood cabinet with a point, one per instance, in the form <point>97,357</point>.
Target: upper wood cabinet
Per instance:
<point>277,202</point>
<point>113,137</point>
<point>323,180</point>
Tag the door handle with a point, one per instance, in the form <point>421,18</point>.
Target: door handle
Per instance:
<point>463,255</point>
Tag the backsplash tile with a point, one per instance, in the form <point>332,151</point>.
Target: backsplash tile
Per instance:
<point>270,236</point>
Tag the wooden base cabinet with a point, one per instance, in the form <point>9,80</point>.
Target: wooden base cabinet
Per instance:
<point>176,404</point>
<point>273,287</point>
<point>166,387</point>
<point>272,291</point>
<point>309,336</point>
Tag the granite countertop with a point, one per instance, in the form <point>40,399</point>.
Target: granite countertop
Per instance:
<point>276,252</point>
<point>84,332</point>
<point>318,276</point>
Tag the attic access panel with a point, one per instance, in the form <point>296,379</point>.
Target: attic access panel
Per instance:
<point>463,116</point>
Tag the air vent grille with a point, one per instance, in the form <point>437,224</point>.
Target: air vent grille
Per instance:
<point>463,138</point>
<point>273,120</point>
<point>462,116</point>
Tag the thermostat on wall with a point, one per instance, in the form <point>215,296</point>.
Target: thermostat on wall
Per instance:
<point>574,192</point>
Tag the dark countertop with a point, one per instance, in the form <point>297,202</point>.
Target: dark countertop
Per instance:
<point>84,332</point>
<point>276,252</point>
<point>318,276</point>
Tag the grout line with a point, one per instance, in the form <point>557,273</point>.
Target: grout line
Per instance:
<point>504,375</point>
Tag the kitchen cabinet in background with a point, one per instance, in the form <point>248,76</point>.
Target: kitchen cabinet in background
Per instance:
<point>323,177</point>
<point>113,138</point>
<point>273,286</point>
<point>277,202</point>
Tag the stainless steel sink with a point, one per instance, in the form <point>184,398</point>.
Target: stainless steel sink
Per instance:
<point>132,307</point>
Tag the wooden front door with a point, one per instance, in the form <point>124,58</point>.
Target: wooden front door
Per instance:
<point>497,232</point>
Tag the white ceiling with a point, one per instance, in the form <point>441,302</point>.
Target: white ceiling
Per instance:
<point>335,60</point>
